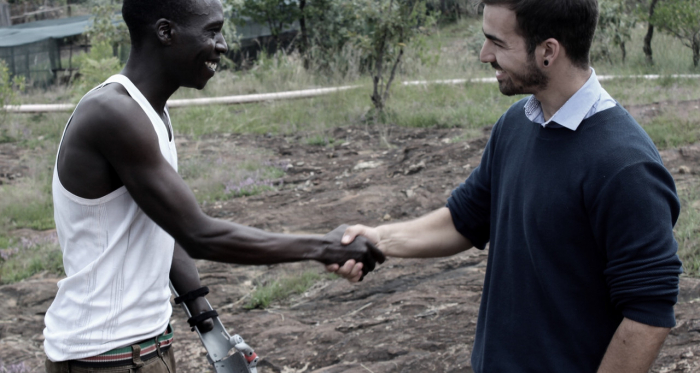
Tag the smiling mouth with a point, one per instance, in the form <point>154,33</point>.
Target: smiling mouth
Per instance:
<point>211,65</point>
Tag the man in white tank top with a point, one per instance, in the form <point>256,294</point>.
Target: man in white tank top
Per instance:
<point>127,222</point>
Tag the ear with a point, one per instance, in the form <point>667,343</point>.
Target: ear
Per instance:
<point>548,52</point>
<point>164,31</point>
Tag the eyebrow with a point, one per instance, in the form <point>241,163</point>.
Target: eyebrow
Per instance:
<point>492,37</point>
<point>216,23</point>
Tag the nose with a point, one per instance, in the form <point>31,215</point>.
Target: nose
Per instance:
<point>221,45</point>
<point>486,55</point>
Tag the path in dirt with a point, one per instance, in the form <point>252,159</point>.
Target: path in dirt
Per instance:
<point>408,316</point>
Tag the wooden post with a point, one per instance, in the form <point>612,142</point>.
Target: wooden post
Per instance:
<point>5,15</point>
<point>12,61</point>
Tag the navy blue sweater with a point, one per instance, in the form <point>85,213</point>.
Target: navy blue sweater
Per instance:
<point>580,225</point>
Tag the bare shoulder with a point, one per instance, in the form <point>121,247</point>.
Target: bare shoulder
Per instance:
<point>108,111</point>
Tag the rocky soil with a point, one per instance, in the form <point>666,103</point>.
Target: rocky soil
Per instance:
<point>408,316</point>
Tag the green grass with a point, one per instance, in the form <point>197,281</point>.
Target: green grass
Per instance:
<point>25,205</point>
<point>687,231</point>
<point>670,131</point>
<point>34,130</point>
<point>26,259</point>
<point>466,106</point>
<point>636,91</point>
<point>320,140</point>
<point>230,173</point>
<point>278,290</point>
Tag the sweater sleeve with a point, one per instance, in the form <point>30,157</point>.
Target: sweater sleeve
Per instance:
<point>470,202</point>
<point>633,218</point>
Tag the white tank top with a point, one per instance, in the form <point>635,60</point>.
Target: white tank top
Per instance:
<point>117,262</point>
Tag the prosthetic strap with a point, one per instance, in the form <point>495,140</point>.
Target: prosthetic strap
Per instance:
<point>192,295</point>
<point>195,320</point>
<point>218,342</point>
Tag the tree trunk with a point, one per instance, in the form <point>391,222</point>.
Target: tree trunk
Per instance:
<point>696,51</point>
<point>304,40</point>
<point>378,94</point>
<point>393,73</point>
<point>623,50</point>
<point>650,34</point>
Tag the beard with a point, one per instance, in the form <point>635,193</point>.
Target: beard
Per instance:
<point>529,82</point>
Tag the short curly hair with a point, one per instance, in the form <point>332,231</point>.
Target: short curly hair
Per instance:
<point>571,22</point>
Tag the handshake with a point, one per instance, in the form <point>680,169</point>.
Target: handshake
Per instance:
<point>348,254</point>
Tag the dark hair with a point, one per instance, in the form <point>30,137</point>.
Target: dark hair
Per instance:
<point>140,15</point>
<point>571,22</point>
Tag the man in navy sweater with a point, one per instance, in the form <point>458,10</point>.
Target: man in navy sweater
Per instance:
<point>572,197</point>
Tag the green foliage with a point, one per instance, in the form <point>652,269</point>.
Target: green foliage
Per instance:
<point>280,289</point>
<point>276,14</point>
<point>229,30</point>
<point>452,10</point>
<point>108,26</point>
<point>681,18</point>
<point>391,24</point>
<point>110,40</point>
<point>615,26</point>
<point>9,86</point>
<point>95,67</point>
<point>333,26</point>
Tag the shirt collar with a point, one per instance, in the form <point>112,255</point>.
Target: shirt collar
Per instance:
<point>574,110</point>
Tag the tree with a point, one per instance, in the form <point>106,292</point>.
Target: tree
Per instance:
<point>451,10</point>
<point>276,14</point>
<point>108,27</point>
<point>681,18</point>
<point>615,26</point>
<point>650,33</point>
<point>332,28</point>
<point>391,24</point>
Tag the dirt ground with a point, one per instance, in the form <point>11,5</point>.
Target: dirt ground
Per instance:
<point>408,316</point>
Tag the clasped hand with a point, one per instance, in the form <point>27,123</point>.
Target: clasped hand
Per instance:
<point>361,254</point>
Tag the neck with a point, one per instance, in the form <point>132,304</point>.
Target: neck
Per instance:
<point>148,75</point>
<point>562,85</point>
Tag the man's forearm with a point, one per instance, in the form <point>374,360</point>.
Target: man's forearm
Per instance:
<point>432,235</point>
<point>633,348</point>
<point>185,278</point>
<point>235,243</point>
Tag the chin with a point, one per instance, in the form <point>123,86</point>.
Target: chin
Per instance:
<point>198,85</point>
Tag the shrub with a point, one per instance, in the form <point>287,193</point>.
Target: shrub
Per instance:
<point>9,86</point>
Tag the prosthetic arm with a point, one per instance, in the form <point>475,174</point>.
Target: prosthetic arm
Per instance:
<point>218,342</point>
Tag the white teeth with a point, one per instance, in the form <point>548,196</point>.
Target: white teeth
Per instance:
<point>211,65</point>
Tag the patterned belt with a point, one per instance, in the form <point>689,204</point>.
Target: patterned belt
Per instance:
<point>129,355</point>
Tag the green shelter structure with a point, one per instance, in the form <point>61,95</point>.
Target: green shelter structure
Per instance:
<point>43,51</point>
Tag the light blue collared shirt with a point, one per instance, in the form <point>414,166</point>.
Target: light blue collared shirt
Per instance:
<point>590,99</point>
